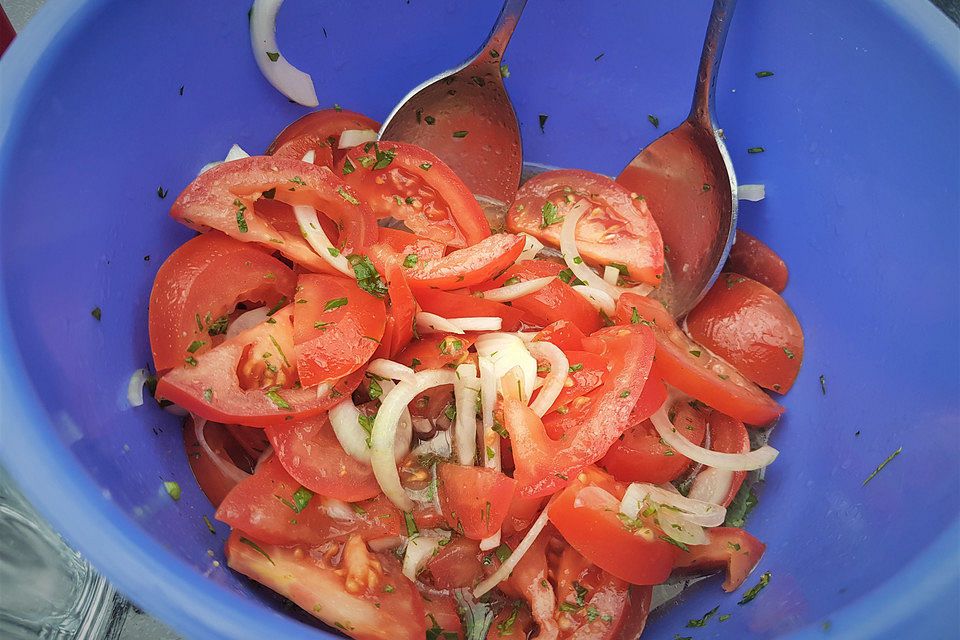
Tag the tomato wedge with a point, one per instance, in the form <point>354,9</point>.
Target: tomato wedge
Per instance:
<point>455,565</point>
<point>311,453</point>
<point>750,257</point>
<point>401,309</point>
<point>719,486</point>
<point>750,326</point>
<point>273,507</point>
<point>730,548</point>
<point>596,601</point>
<point>199,286</point>
<point>219,473</point>
<point>470,266</point>
<point>410,247</point>
<point>690,368</point>
<point>336,327</point>
<point>405,182</point>
<point>588,520</point>
<point>555,302</point>
<point>457,305</point>
<point>564,334</point>
<point>234,383</point>
<point>640,454</point>
<point>225,197</point>
<point>352,595</point>
<point>436,351</point>
<point>618,230</point>
<point>320,132</point>
<point>474,500</point>
<point>543,464</point>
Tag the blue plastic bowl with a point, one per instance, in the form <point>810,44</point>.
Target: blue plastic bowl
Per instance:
<point>860,127</point>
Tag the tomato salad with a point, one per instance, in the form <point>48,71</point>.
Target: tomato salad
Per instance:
<point>417,426</point>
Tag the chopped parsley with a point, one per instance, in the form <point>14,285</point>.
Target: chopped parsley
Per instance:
<point>253,545</point>
<point>592,613</point>
<point>426,165</point>
<point>763,74</point>
<point>740,507</point>
<point>208,395</point>
<point>504,71</point>
<point>460,134</point>
<point>96,313</point>
<point>173,489</point>
<point>336,303</point>
<point>575,367</point>
<point>789,353</point>
<point>410,260</point>
<point>241,219</point>
<point>219,326</point>
<point>348,167</point>
<point>675,543</point>
<point>368,278</point>
<point>695,353</point>
<point>543,121</point>
<point>273,55</point>
<point>412,530</point>
<point>882,465</point>
<point>654,120</point>
<point>276,399</point>
<point>624,393</point>
<point>190,360</point>
<point>346,196</point>
<point>756,150</point>
<point>756,589</point>
<point>196,344</point>
<point>823,385</point>
<point>551,215</point>
<point>161,192</point>
<point>581,592</point>
<point>384,158</point>
<point>702,622</point>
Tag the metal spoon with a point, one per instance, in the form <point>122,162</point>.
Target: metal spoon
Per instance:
<point>464,116</point>
<point>687,178</point>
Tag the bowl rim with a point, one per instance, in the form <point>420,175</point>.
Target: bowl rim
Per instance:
<point>175,592</point>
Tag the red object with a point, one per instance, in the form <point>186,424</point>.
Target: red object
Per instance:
<point>401,307</point>
<point>319,132</point>
<point>750,326</point>
<point>214,476</point>
<point>730,548</point>
<point>752,258</point>
<point>617,229</point>
<point>447,304</point>
<point>199,285</point>
<point>474,500</point>
<point>469,266</point>
<point>564,334</point>
<point>6,31</point>
<point>436,351</point>
<point>405,182</point>
<point>405,244</point>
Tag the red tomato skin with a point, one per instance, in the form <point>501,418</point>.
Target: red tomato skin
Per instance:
<point>414,172</point>
<point>312,132</point>
<point>210,202</point>
<point>255,506</point>
<point>215,374</point>
<point>303,575</point>
<point>564,334</point>
<point>350,336</point>
<point>730,548</point>
<point>698,376</point>
<point>213,481</point>
<point>404,243</point>
<point>640,456</point>
<point>727,435</point>
<point>191,284</point>
<point>750,257</point>
<point>591,369</point>
<point>469,266</point>
<point>402,308</point>
<point>618,229</point>
<point>436,351</point>
<point>311,453</point>
<point>456,565</point>
<point>448,304</point>
<point>553,303</point>
<point>600,536</point>
<point>606,595</point>
<point>474,500</point>
<point>750,326</point>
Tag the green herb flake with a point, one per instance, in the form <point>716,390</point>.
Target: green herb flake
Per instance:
<point>208,395</point>
<point>241,219</point>
<point>336,303</point>
<point>209,525</point>
<point>410,261</point>
<point>724,618</point>
<point>575,367</point>
<point>388,588</point>
<point>599,56</point>
<point>384,158</point>
<point>253,545</point>
<point>504,71</point>
<point>173,489</point>
<point>702,622</point>
<point>654,120</point>
<point>460,134</point>
<point>624,394</point>
<point>368,278</point>
<point>273,55</point>
<point>551,215</point>
<point>543,121</point>
<point>426,166</point>
<point>270,193</point>
<point>675,543</point>
<point>756,589</point>
<point>96,313</point>
<point>196,344</point>
<point>161,192</point>
<point>346,196</point>
<point>740,507</point>
<point>412,530</point>
<point>429,120</point>
<point>763,74</point>
<point>592,613</point>
<point>581,592</point>
<point>695,353</point>
<point>375,390</point>
<point>190,360</point>
<point>277,400</point>
<point>491,454</point>
<point>756,150</point>
<point>348,167</point>
<point>823,385</point>
<point>789,353</point>
<point>882,465</point>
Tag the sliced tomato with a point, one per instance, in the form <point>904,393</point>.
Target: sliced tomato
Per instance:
<point>530,579</point>
<point>280,216</point>
<point>336,327</point>
<point>750,326</point>
<point>219,470</point>
<point>199,286</point>
<point>436,351</point>
<point>555,302</point>
<point>310,452</point>
<point>638,611</point>
<point>564,334</point>
<point>543,464</point>
<point>752,258</point>
<point>459,305</point>
<point>719,486</point>
<point>596,601</point>
<point>586,372</point>
<point>401,307</point>
<point>470,266</point>
<point>690,368</point>
<point>474,500</point>
<point>588,520</point>
<point>522,512</point>
<point>456,564</point>
<point>443,620</point>
<point>253,441</point>
<point>235,383</point>
<point>320,132</point>
<point>273,507</point>
<point>618,229</point>
<point>405,182</point>
<point>730,548</point>
<point>640,454</point>
<point>514,622</point>
<point>406,244</point>
<point>225,197</point>
<point>364,594</point>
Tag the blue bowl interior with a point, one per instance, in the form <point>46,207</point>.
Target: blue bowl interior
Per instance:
<point>860,128</point>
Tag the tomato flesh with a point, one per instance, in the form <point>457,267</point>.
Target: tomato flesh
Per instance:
<point>436,351</point>
<point>733,549</point>
<point>447,304</point>
<point>750,257</point>
<point>474,500</point>
<point>215,477</point>
<point>470,266</point>
<point>319,132</point>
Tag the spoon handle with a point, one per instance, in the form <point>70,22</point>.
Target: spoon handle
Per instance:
<point>492,49</point>
<point>704,94</point>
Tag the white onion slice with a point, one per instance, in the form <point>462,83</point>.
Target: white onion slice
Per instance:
<point>489,439</point>
<point>385,431</point>
<point>337,509</point>
<point>751,192</point>
<point>553,384</point>
<point>290,81</point>
<point>477,323</point>
<point>595,498</point>
<point>490,542</point>
<point>247,320</point>
<point>404,425</point>
<point>506,351</point>
<point>309,156</point>
<point>466,390</point>
<point>508,565</point>
<point>226,467</point>
<point>600,300</point>
<point>318,241</point>
<point>390,369</point>
<point>711,485</point>
<point>236,152</point>
<point>678,527</point>
<point>696,511</point>
<point>729,461</point>
<point>354,137</point>
<point>531,247</point>
<point>610,275</point>
<point>517,290</point>
<point>177,410</point>
<point>432,323</point>
<point>345,420</point>
<point>135,387</point>
<point>419,550</point>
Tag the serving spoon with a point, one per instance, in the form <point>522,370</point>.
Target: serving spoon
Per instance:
<point>687,178</point>
<point>465,118</point>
